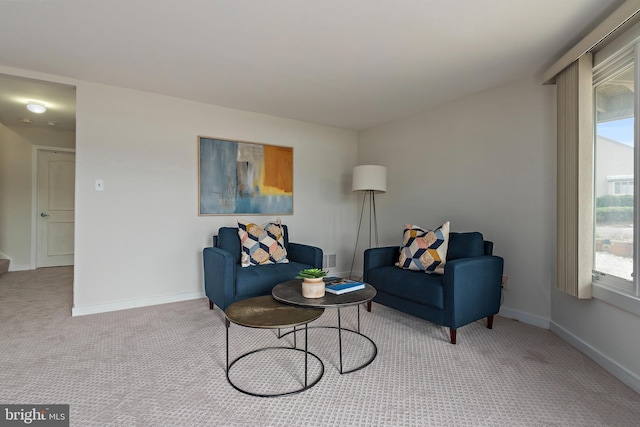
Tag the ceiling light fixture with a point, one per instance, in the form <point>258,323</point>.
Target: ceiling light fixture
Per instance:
<point>36,107</point>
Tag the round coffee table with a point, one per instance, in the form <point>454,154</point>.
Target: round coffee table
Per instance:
<point>291,293</point>
<point>267,313</point>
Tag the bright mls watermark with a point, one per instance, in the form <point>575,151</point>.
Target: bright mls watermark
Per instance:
<point>34,415</point>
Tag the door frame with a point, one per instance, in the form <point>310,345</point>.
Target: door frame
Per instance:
<point>34,196</point>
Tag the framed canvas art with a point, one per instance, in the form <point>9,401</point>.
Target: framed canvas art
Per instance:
<point>244,178</point>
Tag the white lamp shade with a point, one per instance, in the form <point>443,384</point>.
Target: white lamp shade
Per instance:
<point>370,177</point>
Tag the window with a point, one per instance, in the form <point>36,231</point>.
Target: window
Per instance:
<point>622,187</point>
<point>597,105</point>
<point>615,216</point>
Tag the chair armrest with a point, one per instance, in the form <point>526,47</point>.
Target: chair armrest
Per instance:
<point>379,257</point>
<point>219,276</point>
<point>305,254</point>
<point>472,289</point>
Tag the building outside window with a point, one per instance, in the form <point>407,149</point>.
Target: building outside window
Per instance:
<point>621,186</point>
<point>615,101</point>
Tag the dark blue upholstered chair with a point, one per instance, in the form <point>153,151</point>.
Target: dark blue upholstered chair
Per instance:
<point>226,281</point>
<point>469,290</point>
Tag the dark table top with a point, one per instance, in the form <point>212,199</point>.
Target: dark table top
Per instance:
<point>266,312</point>
<point>291,293</point>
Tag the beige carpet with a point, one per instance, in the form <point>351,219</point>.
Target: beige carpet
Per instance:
<point>164,366</point>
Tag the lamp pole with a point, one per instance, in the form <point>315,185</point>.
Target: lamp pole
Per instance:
<point>373,215</point>
<point>368,178</point>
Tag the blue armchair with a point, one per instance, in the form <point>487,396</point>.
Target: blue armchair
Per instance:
<point>226,282</point>
<point>469,290</point>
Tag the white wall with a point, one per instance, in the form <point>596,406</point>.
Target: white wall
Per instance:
<point>486,163</point>
<point>140,241</point>
<point>47,136</point>
<point>16,147</point>
<point>605,333</point>
<point>15,198</point>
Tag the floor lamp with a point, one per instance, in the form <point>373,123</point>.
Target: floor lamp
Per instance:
<point>370,179</point>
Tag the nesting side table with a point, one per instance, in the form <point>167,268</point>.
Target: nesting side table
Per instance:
<point>266,313</point>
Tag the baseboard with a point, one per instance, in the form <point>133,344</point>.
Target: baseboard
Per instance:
<point>142,302</point>
<point>614,368</point>
<point>523,317</point>
<point>20,267</point>
<point>15,267</point>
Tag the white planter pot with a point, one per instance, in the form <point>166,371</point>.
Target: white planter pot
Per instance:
<point>313,288</point>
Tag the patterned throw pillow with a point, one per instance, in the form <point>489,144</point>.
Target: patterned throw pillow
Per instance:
<point>261,244</point>
<point>424,250</point>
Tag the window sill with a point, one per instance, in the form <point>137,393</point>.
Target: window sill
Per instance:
<point>617,299</point>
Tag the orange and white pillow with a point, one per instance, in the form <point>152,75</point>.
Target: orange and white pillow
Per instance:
<point>261,244</point>
<point>424,250</point>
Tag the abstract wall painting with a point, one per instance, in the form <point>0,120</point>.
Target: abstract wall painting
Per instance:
<point>244,178</point>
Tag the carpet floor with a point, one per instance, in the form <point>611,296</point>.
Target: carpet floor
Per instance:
<point>165,366</point>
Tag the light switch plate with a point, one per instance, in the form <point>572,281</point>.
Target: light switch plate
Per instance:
<point>99,184</point>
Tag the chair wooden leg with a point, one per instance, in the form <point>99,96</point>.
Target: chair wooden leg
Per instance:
<point>210,305</point>
<point>490,322</point>
<point>452,333</point>
<point>369,306</point>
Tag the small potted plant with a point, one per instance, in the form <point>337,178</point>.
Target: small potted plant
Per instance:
<point>312,282</point>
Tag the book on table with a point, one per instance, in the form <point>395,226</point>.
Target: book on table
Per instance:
<point>342,286</point>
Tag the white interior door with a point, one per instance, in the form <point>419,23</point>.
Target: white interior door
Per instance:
<point>56,208</point>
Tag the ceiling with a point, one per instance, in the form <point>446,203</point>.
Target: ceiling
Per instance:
<point>60,101</point>
<point>351,64</point>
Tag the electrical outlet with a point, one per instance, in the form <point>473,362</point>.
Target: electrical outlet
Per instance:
<point>505,282</point>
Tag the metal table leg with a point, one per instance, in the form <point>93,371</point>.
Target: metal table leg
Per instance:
<point>340,338</point>
<point>340,329</point>
<point>306,363</point>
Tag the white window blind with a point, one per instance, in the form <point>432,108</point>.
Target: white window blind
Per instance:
<point>574,178</point>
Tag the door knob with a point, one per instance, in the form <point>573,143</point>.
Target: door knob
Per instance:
<point>44,215</point>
